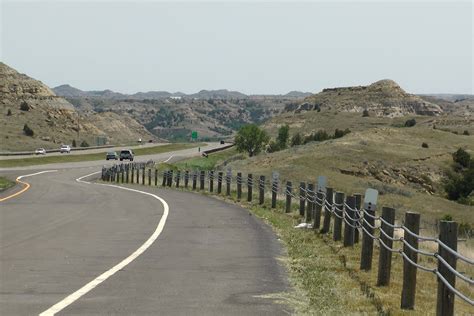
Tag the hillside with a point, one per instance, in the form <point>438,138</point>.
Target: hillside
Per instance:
<point>382,98</point>
<point>378,154</point>
<point>53,120</point>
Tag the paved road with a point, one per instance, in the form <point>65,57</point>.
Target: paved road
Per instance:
<point>211,258</point>
<point>85,151</point>
<point>172,156</point>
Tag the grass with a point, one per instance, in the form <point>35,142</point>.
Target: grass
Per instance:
<point>5,183</point>
<point>326,276</point>
<point>88,157</point>
<point>363,158</point>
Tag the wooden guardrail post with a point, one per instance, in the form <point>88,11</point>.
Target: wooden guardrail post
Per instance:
<point>228,181</point>
<point>149,176</point>
<point>348,224</point>
<point>122,171</point>
<point>211,181</point>
<point>274,192</point>
<point>219,182</point>
<point>239,185</point>
<point>448,235</point>
<point>156,177</point>
<point>165,176</point>
<point>261,190</point>
<point>412,222</point>
<point>385,256</point>
<point>249,187</point>
<point>186,179</point>
<point>143,175</point>
<point>288,197</point>
<point>310,206</point>
<point>302,197</point>
<point>202,178</point>
<point>127,174</point>
<point>138,175</point>
<point>194,180</point>
<point>367,251</point>
<point>319,203</point>
<point>132,174</point>
<point>178,178</point>
<point>170,178</point>
<point>358,203</point>
<point>327,214</point>
<point>338,210</point>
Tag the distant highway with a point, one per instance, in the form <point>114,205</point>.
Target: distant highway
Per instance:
<point>172,156</point>
<point>84,151</point>
<point>74,247</point>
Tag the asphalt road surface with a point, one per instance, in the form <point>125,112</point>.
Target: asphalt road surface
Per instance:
<point>198,256</point>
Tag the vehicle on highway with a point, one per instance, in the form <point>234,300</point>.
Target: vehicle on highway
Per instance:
<point>111,155</point>
<point>126,154</point>
<point>222,142</point>
<point>40,151</point>
<point>65,149</point>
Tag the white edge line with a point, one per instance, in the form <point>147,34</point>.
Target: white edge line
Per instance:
<point>34,174</point>
<point>168,158</point>
<point>104,276</point>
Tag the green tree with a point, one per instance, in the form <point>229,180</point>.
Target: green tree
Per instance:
<point>283,136</point>
<point>251,139</point>
<point>365,113</point>
<point>296,140</point>
<point>9,112</point>
<point>27,130</point>
<point>462,157</point>
<point>410,123</point>
<point>74,144</point>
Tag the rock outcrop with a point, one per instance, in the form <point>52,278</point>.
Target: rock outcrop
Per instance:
<point>382,98</point>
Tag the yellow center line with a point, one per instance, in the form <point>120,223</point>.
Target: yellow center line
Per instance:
<point>27,186</point>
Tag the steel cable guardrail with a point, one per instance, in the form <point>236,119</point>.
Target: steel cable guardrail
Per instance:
<point>356,217</point>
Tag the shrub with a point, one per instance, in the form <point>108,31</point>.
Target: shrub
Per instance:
<point>283,136</point>
<point>424,145</point>
<point>296,140</point>
<point>410,123</point>
<point>9,112</point>
<point>84,144</point>
<point>462,157</point>
<point>447,217</point>
<point>24,106</point>
<point>365,113</point>
<point>27,130</point>
<point>340,133</point>
<point>273,147</point>
<point>74,144</point>
<point>466,132</point>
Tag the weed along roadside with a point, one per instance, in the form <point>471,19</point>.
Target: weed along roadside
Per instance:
<point>339,242</point>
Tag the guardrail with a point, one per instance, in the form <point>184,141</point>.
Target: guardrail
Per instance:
<point>350,222</point>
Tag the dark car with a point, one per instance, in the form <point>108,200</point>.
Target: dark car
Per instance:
<point>222,142</point>
<point>111,155</point>
<point>126,154</point>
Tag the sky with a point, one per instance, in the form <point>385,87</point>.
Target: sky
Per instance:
<point>255,47</point>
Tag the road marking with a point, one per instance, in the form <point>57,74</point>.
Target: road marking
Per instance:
<point>107,274</point>
<point>26,184</point>
<point>168,159</point>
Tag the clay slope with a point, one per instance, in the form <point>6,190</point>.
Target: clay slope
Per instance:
<point>382,98</point>
<point>54,120</point>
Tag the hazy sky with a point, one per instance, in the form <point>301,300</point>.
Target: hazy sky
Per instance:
<point>264,47</point>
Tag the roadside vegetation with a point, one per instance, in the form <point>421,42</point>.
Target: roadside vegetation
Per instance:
<point>89,157</point>
<point>5,183</point>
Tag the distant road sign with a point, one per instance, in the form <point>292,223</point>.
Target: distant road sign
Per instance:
<point>194,135</point>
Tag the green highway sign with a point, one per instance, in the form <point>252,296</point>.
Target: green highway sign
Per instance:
<point>194,135</point>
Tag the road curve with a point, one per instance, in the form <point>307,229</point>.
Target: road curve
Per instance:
<point>211,258</point>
